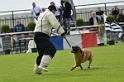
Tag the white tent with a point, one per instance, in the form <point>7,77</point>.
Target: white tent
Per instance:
<point>26,4</point>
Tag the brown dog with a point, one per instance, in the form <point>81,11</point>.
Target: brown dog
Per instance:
<point>81,56</point>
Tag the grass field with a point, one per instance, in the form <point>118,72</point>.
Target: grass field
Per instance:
<point>107,66</point>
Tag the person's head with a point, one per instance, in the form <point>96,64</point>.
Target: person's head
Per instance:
<point>18,22</point>
<point>120,11</point>
<point>99,9</point>
<point>43,9</point>
<point>66,1</point>
<point>115,8</point>
<point>52,8</point>
<point>33,4</point>
<point>93,14</point>
<point>52,3</point>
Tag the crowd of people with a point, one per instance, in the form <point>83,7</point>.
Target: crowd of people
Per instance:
<point>63,13</point>
<point>99,17</point>
<point>116,12</point>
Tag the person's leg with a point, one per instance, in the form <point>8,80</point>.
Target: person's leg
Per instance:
<point>122,37</point>
<point>40,54</point>
<point>57,17</point>
<point>49,53</point>
<point>65,25</point>
<point>40,51</point>
<point>46,48</point>
<point>68,25</point>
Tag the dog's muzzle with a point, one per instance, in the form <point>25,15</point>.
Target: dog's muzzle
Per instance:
<point>72,51</point>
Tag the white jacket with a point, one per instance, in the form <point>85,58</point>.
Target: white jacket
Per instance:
<point>46,21</point>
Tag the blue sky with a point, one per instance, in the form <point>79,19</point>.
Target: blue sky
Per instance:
<point>9,5</point>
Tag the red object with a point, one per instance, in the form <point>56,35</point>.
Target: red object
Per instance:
<point>89,40</point>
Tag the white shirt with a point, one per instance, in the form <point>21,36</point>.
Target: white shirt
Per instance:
<point>46,21</point>
<point>58,11</point>
<point>35,10</point>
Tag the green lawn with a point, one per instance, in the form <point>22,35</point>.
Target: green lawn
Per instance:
<point>107,66</point>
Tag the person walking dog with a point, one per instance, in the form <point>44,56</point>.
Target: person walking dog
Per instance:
<point>46,50</point>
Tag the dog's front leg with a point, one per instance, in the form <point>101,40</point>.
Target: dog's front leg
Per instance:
<point>73,67</point>
<point>81,67</point>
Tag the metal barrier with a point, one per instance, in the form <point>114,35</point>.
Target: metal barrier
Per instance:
<point>16,41</point>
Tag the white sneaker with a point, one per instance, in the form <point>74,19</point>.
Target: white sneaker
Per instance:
<point>43,68</point>
<point>37,71</point>
<point>45,62</point>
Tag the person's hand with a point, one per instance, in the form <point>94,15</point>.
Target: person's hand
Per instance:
<point>34,16</point>
<point>63,34</point>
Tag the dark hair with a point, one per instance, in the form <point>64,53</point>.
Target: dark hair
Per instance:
<point>62,1</point>
<point>52,7</point>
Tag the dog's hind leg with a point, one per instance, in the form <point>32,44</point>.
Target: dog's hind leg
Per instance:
<point>90,61</point>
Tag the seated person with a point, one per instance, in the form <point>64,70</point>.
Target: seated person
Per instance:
<point>120,16</point>
<point>94,19</point>
<point>19,27</point>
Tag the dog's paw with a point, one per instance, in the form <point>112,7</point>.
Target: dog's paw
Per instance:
<point>88,67</point>
<point>71,69</point>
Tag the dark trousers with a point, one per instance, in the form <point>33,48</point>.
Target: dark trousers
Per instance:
<point>58,18</point>
<point>44,46</point>
<point>66,23</point>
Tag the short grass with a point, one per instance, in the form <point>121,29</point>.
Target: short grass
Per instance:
<point>107,66</point>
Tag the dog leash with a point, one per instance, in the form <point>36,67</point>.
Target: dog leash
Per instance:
<point>67,41</point>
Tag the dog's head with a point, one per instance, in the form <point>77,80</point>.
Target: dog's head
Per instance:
<point>76,49</point>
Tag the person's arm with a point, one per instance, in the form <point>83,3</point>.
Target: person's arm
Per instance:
<point>24,28</point>
<point>90,21</point>
<point>123,18</point>
<point>55,24</point>
<point>97,19</point>
<point>14,29</point>
<point>39,9</point>
<point>117,18</point>
<point>32,12</point>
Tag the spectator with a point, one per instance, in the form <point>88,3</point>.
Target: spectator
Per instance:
<point>19,27</point>
<point>115,11</point>
<point>66,6</point>
<point>99,13</point>
<point>57,14</point>
<point>35,11</point>
<point>104,16</point>
<point>43,10</point>
<point>120,16</point>
<point>94,19</point>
